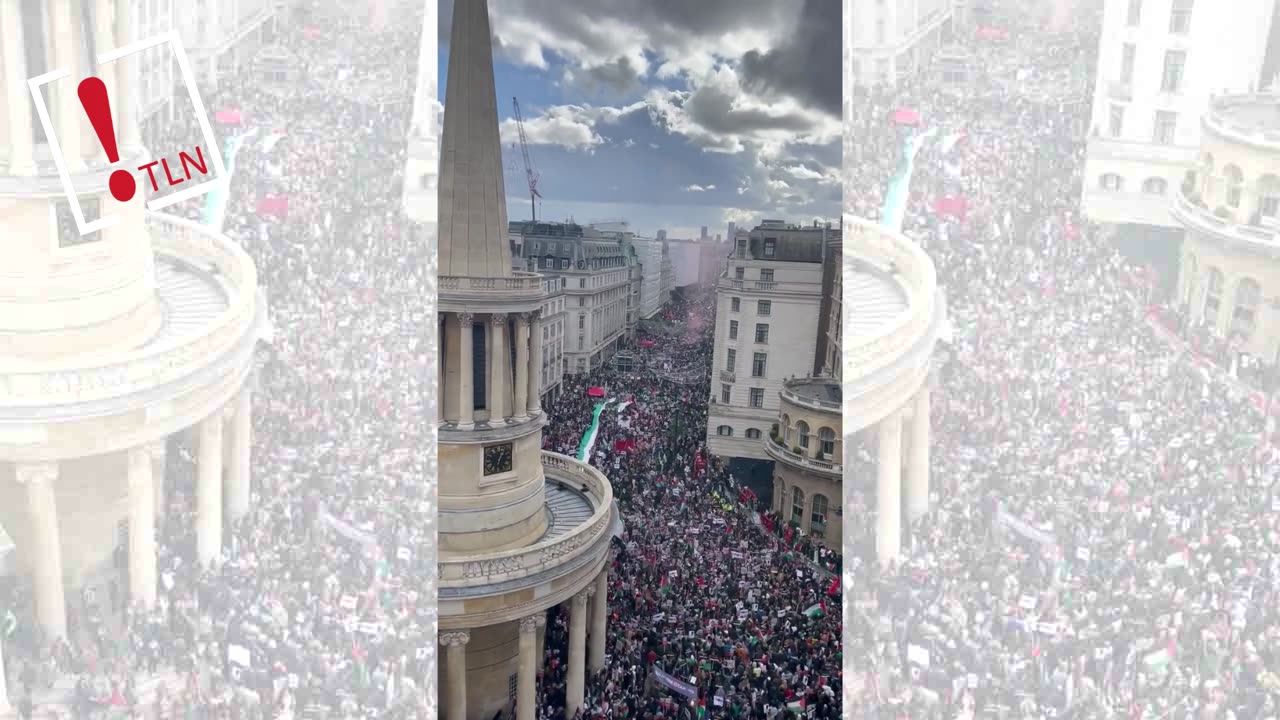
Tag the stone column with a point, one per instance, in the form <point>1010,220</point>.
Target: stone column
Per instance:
<point>442,350</point>
<point>104,39</point>
<point>239,487</point>
<point>18,97</point>
<point>889,489</point>
<point>576,684</point>
<point>521,409</point>
<point>127,115</point>
<point>158,465</point>
<point>535,368</point>
<point>527,683</point>
<point>42,509</point>
<point>542,640</point>
<point>455,644</point>
<point>499,379</point>
<point>209,491</point>
<point>66,119</point>
<point>918,489</point>
<point>142,528</point>
<point>466,373</point>
<point>599,620</point>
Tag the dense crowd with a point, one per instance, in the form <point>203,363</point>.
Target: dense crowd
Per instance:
<point>1105,540</point>
<point>699,588</point>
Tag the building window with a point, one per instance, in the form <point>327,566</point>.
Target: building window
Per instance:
<point>1116,120</point>
<point>730,359</point>
<point>582,283</point>
<point>726,393</point>
<point>479,365</point>
<point>818,518</point>
<point>753,433</point>
<point>1175,63</point>
<point>513,684</point>
<point>827,443</point>
<point>735,304</point>
<point>582,343</point>
<point>1213,297</point>
<point>733,329</point>
<point>582,321</point>
<point>764,308</point>
<point>759,363</point>
<point>770,248</point>
<point>1135,12</point>
<point>1128,58</point>
<point>1165,128</point>
<point>1180,17</point>
<point>1235,185</point>
<point>1268,196</point>
<point>766,275</point>
<point>1155,186</point>
<point>497,459</point>
<point>762,333</point>
<point>757,397</point>
<point>739,272</point>
<point>797,505</point>
<point>1111,181</point>
<point>582,302</point>
<point>1248,294</point>
<point>68,234</point>
<point>802,433</point>
<point>724,431</point>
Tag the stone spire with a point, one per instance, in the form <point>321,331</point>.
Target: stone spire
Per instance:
<point>472,194</point>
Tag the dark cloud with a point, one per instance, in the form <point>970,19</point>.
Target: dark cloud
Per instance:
<point>713,109</point>
<point>619,75</point>
<point>807,66</point>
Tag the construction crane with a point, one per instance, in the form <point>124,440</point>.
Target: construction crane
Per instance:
<point>529,174</point>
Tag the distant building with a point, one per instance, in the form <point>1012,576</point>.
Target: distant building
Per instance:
<point>686,257</point>
<point>552,326</point>
<point>892,40</point>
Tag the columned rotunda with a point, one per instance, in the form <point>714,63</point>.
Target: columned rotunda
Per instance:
<point>520,530</point>
<point>110,343</point>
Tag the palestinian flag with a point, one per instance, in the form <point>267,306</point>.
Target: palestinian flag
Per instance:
<point>815,611</point>
<point>662,585</point>
<point>796,706</point>
<point>834,588</point>
<point>702,708</point>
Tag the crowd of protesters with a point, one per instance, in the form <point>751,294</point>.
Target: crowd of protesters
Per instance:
<point>1104,540</point>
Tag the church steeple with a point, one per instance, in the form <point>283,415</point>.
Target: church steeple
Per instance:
<point>472,193</point>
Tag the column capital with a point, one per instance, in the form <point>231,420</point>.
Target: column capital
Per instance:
<point>40,473</point>
<point>532,622</point>
<point>455,638</point>
<point>498,319</point>
<point>466,318</point>
<point>523,318</point>
<point>590,590</point>
<point>580,600</point>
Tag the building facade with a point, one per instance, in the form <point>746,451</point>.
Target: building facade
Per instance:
<point>767,309</point>
<point>1229,203</point>
<point>521,531</point>
<point>552,327</point>
<point>893,39</point>
<point>222,35</point>
<point>896,314</point>
<point>649,257</point>
<point>806,446</point>
<point>597,284</point>
<point>1159,62</point>
<point>113,343</point>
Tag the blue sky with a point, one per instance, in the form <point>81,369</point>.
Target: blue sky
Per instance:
<point>668,114</point>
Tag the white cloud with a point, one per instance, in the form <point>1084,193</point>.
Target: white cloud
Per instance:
<point>739,217</point>
<point>568,126</point>
<point>628,143</point>
<point>801,172</point>
<point>699,188</point>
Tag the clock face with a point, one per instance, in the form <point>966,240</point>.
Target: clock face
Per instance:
<point>497,459</point>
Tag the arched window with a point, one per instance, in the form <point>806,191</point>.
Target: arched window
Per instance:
<point>797,505</point>
<point>1244,317</point>
<point>1111,181</point>
<point>827,443</point>
<point>753,433</point>
<point>1155,186</point>
<point>802,430</point>
<point>1235,184</point>
<point>1268,196</point>
<point>818,516</point>
<point>785,430</point>
<point>724,431</point>
<point>1213,297</point>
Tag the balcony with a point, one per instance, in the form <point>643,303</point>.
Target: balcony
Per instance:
<point>1247,119</point>
<point>1195,216</point>
<point>821,394</point>
<point>727,376</point>
<point>776,449</point>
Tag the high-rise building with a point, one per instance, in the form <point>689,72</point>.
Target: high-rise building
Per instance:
<point>520,530</point>
<point>892,39</point>
<point>1159,63</point>
<point>113,343</point>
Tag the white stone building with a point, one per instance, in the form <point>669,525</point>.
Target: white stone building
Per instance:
<point>597,274</point>
<point>520,530</point>
<point>892,39</point>
<point>110,343</point>
<point>552,327</point>
<point>1159,61</point>
<point>768,304</point>
<point>221,35</point>
<point>649,256</point>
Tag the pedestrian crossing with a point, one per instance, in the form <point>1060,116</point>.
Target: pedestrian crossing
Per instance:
<point>567,509</point>
<point>190,298</point>
<point>872,302</point>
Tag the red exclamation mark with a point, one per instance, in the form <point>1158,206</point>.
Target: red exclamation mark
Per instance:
<point>93,96</point>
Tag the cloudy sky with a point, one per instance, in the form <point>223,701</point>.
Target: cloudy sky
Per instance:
<point>669,113</point>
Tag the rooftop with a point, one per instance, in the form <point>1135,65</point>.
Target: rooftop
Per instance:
<point>823,390</point>
<point>872,299</point>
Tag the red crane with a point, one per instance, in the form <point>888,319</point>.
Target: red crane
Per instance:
<point>529,174</point>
